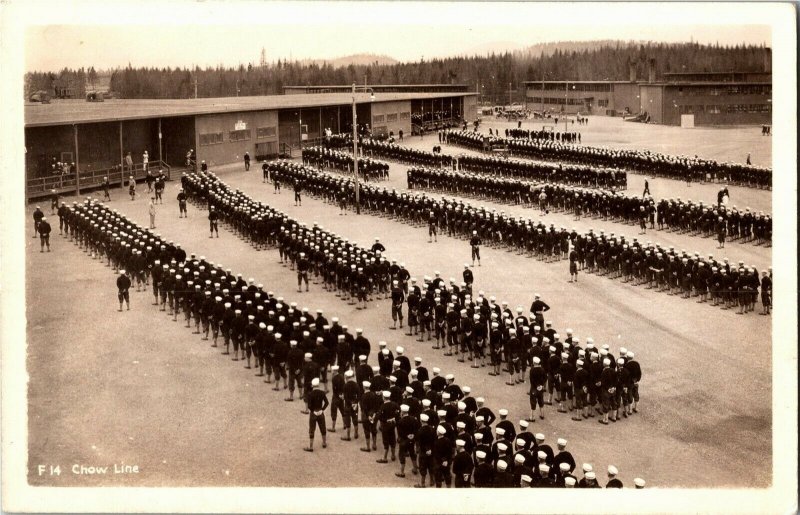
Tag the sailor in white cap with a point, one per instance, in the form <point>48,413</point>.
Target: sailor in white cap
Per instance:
<point>613,482</point>
<point>123,285</point>
<point>589,480</point>
<point>407,429</point>
<point>370,404</point>
<point>317,403</point>
<point>462,465</point>
<point>639,483</point>
<point>388,415</point>
<point>564,457</point>
<point>537,378</point>
<point>398,297</point>
<point>443,450</point>
<point>608,387</point>
<point>475,245</point>
<point>503,478</point>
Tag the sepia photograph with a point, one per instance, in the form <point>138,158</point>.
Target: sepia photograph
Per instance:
<point>452,245</point>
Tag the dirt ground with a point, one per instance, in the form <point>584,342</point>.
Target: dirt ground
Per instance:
<point>136,388</point>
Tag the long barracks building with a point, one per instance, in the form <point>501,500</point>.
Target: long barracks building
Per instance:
<point>685,98</point>
<point>97,136</point>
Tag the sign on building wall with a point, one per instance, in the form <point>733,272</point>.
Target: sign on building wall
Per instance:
<point>239,126</point>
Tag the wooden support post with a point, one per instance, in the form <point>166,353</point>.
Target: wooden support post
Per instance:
<point>77,163</point>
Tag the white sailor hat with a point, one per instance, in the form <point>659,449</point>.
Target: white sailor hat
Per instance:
<point>382,344</point>
<point>479,454</point>
<point>519,458</point>
<point>441,430</point>
<point>445,395</point>
<point>315,381</point>
<point>461,405</point>
<point>404,408</point>
<point>400,350</point>
<point>396,363</point>
<point>536,360</point>
<point>449,377</point>
<point>520,442</point>
<point>441,412</point>
<point>629,354</point>
<point>409,389</point>
<point>308,355</point>
<point>386,394</point>
<point>335,368</point>
<point>590,475</point>
<point>540,437</point>
<point>424,417</point>
<point>606,362</point>
<point>461,424</point>
<point>544,468</point>
<point>612,470</point>
<point>569,481</point>
<point>502,446</point>
<point>385,352</point>
<point>349,373</point>
<point>587,467</point>
<point>500,431</point>
<point>639,482</point>
<point>541,455</point>
<point>502,465</point>
<point>426,402</point>
<point>393,378</point>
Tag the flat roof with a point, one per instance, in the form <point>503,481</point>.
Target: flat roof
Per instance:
<point>580,82</point>
<point>76,111</point>
<point>718,73</point>
<point>707,83</point>
<point>361,86</point>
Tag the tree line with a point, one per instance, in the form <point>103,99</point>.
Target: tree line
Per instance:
<point>490,74</point>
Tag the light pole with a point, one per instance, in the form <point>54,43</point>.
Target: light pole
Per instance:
<point>509,96</point>
<point>355,140</point>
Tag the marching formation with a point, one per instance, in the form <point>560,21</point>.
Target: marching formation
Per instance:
<point>323,158</point>
<point>638,161</point>
<point>427,420</point>
<point>684,216</point>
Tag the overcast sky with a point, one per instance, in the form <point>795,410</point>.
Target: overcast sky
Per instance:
<point>406,32</point>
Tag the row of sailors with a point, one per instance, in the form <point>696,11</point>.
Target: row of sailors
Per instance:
<point>686,216</point>
<point>639,161</point>
<point>256,321</point>
<point>575,175</point>
<point>323,158</point>
<point>395,152</point>
<point>549,243</point>
<point>644,161</point>
<point>676,272</point>
<point>546,243</point>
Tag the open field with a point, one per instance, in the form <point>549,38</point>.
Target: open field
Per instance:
<point>135,387</point>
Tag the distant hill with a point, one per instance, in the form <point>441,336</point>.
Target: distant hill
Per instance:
<point>355,60</point>
<point>549,48</point>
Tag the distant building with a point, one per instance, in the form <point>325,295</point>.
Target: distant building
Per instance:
<point>681,98</point>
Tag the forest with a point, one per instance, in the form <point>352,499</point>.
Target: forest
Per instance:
<point>489,74</point>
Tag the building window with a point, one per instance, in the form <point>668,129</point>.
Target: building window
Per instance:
<point>713,109</point>
<point>242,135</point>
<point>391,117</point>
<point>378,118</point>
<point>602,102</point>
<point>405,116</point>
<point>266,132</point>
<point>212,138</point>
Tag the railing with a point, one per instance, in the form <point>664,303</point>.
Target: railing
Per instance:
<point>91,179</point>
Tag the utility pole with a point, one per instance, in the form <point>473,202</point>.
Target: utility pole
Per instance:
<point>355,146</point>
<point>195,85</point>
